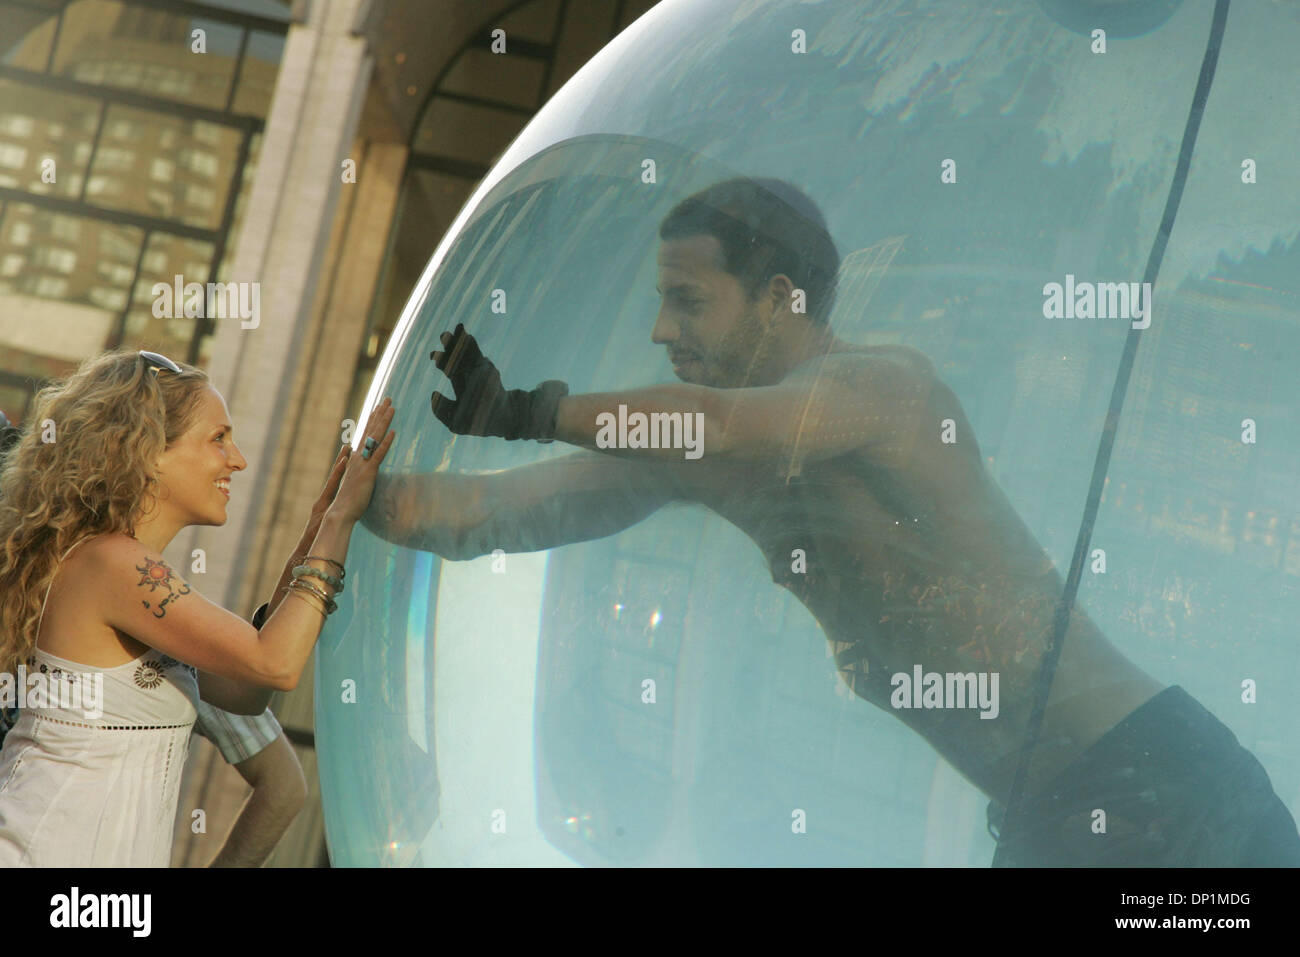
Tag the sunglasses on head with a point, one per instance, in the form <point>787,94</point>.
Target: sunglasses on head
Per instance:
<point>154,360</point>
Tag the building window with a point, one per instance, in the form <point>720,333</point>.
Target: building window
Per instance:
<point>115,273</point>
<point>90,72</point>
<point>60,260</point>
<point>128,74</point>
<point>208,133</point>
<point>12,265</point>
<point>20,234</point>
<point>200,161</point>
<point>162,170</point>
<point>114,158</point>
<point>17,125</point>
<point>51,288</point>
<point>12,156</point>
<point>160,199</point>
<point>113,245</point>
<point>114,299</point>
<point>65,228</point>
<point>200,196</point>
<point>155,261</point>
<point>171,82</point>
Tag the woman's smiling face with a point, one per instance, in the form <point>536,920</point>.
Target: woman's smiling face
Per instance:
<point>194,473</point>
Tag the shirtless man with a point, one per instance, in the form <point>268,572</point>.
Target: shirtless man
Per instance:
<point>914,555</point>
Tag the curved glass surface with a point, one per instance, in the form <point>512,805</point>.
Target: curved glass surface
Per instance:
<point>737,670</point>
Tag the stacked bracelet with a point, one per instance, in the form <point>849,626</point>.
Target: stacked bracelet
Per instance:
<point>302,571</point>
<point>338,565</point>
<point>308,600</point>
<point>307,586</point>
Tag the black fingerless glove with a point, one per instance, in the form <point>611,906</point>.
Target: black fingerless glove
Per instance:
<point>483,406</point>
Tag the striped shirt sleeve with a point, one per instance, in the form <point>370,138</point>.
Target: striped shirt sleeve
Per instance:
<point>238,736</point>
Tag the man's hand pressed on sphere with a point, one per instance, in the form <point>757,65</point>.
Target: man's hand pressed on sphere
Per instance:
<point>483,406</point>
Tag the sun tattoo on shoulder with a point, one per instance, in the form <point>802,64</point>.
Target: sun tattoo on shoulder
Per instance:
<point>155,575</point>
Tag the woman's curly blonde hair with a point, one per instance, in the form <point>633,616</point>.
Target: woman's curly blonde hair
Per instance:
<point>84,466</point>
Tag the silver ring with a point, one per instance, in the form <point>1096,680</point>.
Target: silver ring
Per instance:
<point>370,447</point>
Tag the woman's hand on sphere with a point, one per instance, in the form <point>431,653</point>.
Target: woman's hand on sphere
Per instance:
<point>326,497</point>
<point>358,482</point>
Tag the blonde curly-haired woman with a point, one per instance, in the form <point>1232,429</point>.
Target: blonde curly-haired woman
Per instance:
<point>140,448</point>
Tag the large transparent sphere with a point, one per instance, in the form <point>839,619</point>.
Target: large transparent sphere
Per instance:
<point>651,696</point>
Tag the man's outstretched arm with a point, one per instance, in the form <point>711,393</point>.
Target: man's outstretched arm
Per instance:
<point>828,406</point>
<point>573,498</point>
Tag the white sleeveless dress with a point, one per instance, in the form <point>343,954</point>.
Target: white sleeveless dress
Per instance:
<point>98,792</point>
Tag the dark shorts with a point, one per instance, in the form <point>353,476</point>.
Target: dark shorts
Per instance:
<point>1177,789</point>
